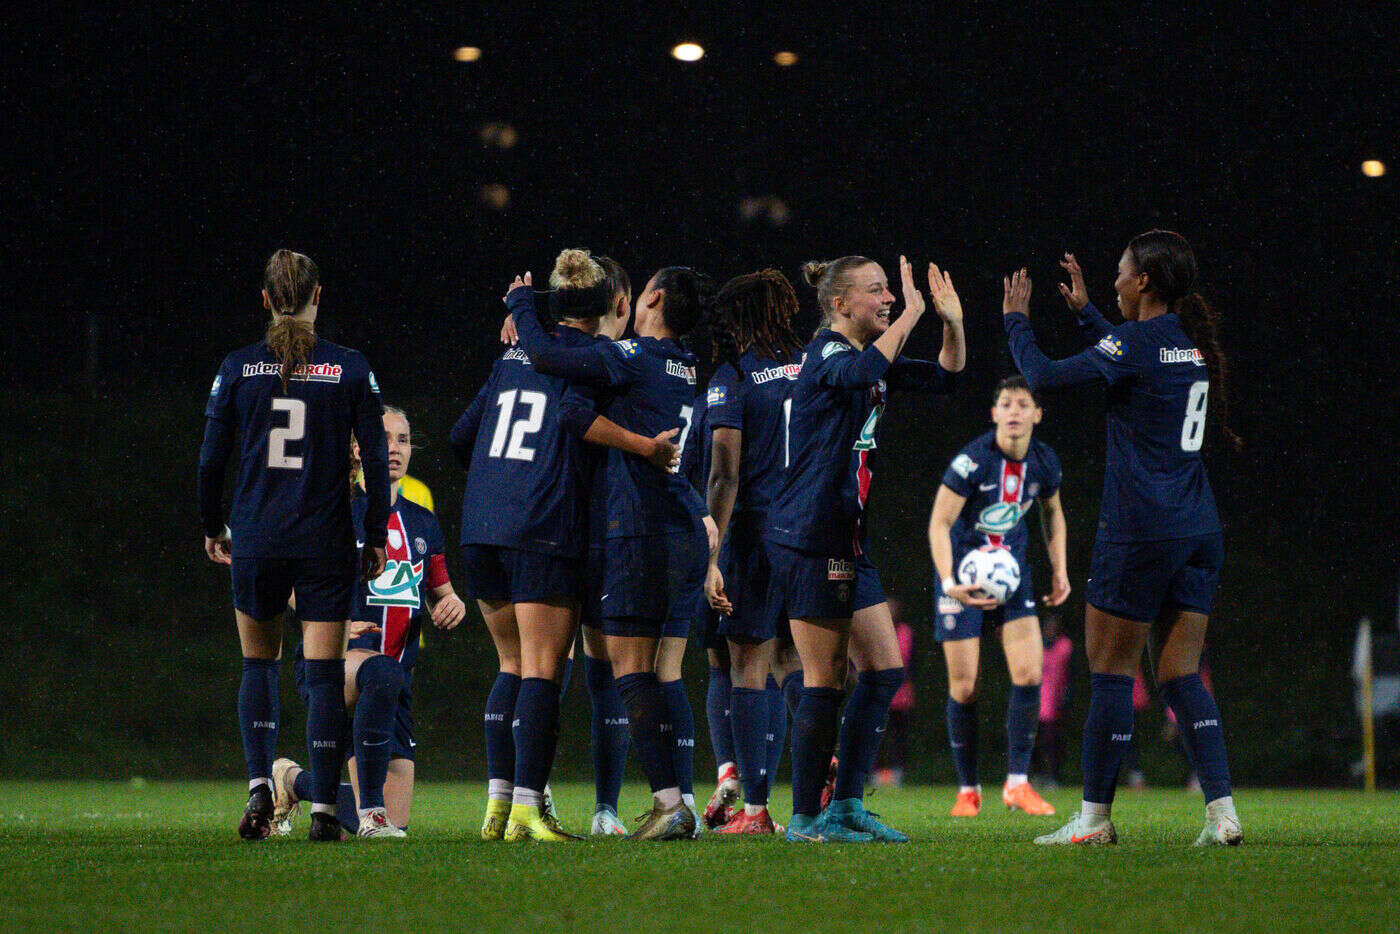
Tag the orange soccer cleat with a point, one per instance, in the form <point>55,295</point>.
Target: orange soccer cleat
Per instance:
<point>968,804</point>
<point>746,823</point>
<point>829,789</point>
<point>1023,797</point>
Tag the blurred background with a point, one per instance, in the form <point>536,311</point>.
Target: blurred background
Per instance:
<point>156,156</point>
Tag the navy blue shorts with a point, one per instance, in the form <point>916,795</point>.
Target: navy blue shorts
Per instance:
<point>759,610</point>
<point>815,586</point>
<point>325,587</point>
<point>1137,580</point>
<point>401,746</point>
<point>590,604</point>
<point>953,620</point>
<point>706,625</point>
<point>652,583</point>
<point>496,574</point>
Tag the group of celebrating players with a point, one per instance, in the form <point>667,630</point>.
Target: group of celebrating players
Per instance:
<point>611,488</point>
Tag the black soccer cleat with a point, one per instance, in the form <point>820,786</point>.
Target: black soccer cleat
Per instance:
<point>256,822</point>
<point>325,828</point>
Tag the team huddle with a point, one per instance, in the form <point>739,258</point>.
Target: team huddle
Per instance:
<point>638,467</point>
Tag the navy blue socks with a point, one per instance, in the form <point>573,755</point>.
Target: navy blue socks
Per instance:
<point>380,680</point>
<point>863,728</point>
<point>566,671</point>
<point>651,730</point>
<point>536,728</point>
<point>325,724</point>
<point>1022,716</point>
<point>500,744</point>
<point>344,799</point>
<point>611,734</point>
<point>718,712</point>
<point>777,728</point>
<point>258,708</point>
<point>1107,732</point>
<point>683,729</point>
<point>813,740</point>
<point>962,739</point>
<point>1198,720</point>
<point>750,714</point>
<point>792,691</point>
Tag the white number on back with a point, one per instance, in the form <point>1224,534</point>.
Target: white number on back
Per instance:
<point>787,431</point>
<point>1193,430</point>
<point>277,438</point>
<point>517,432</point>
<point>686,413</point>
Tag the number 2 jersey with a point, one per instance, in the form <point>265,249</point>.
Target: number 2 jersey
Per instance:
<point>999,491</point>
<point>837,402</point>
<point>1155,485</point>
<point>292,493</point>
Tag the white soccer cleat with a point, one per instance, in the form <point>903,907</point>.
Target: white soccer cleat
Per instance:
<point>376,824</point>
<point>285,805</point>
<point>1221,830</point>
<point>607,824</point>
<point>1081,831</point>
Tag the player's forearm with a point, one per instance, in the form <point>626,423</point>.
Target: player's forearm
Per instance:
<point>606,433</point>
<point>374,462</point>
<point>891,343</point>
<point>940,544</point>
<point>1057,545</point>
<point>953,356</point>
<point>1039,370</point>
<point>213,461</point>
<point>721,494</point>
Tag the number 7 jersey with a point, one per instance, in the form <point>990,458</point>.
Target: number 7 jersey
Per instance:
<point>1155,485</point>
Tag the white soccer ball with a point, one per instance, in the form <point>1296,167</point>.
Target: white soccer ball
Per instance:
<point>992,570</point>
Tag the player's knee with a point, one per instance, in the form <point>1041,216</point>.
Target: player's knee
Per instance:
<point>379,673</point>
<point>962,690</point>
<point>1025,675</point>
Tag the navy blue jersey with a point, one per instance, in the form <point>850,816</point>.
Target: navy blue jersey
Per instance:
<point>527,469</point>
<point>999,492</point>
<point>836,405</point>
<point>653,390</point>
<point>753,398</point>
<point>695,457</point>
<point>292,494</point>
<point>398,599</point>
<point>1155,484</point>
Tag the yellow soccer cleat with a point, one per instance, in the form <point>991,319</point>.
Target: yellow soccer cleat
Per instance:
<point>527,823</point>
<point>493,827</point>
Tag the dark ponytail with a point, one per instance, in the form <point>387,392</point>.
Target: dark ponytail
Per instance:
<point>1170,266</point>
<point>690,296</point>
<point>290,281</point>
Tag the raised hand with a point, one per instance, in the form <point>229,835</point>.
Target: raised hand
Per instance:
<point>520,283</point>
<point>945,297</point>
<point>913,298</point>
<point>1076,296</point>
<point>1016,294</point>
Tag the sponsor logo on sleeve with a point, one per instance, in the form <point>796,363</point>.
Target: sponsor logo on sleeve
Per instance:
<point>963,466</point>
<point>717,395</point>
<point>840,569</point>
<point>834,347</point>
<point>627,348</point>
<point>214,389</point>
<point>1110,346</point>
<point>1180,355</point>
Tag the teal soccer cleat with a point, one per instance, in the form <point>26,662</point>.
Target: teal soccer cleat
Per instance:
<point>851,814</point>
<point>804,828</point>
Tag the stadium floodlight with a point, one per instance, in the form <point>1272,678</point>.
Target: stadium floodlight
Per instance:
<point>1373,168</point>
<point>785,59</point>
<point>466,53</point>
<point>688,52</point>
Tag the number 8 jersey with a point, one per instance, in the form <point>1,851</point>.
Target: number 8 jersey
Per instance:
<point>1155,485</point>
<point>292,494</point>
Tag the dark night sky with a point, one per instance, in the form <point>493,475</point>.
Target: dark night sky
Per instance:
<point>158,157</point>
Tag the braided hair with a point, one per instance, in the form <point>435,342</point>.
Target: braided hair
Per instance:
<point>755,312</point>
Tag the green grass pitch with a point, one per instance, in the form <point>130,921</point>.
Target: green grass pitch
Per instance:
<point>165,855</point>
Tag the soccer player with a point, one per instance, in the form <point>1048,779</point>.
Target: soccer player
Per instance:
<point>388,618</point>
<point>816,530</point>
<point>291,403</point>
<point>523,539</point>
<point>746,410</point>
<point>986,492</point>
<point>656,526</point>
<point>1157,557</point>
